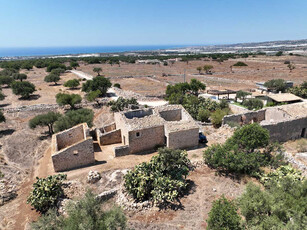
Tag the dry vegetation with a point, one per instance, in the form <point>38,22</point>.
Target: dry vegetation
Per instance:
<point>25,153</point>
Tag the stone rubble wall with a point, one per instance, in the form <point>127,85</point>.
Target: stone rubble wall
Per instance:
<point>112,137</point>
<point>183,139</point>
<point>245,118</point>
<point>70,136</point>
<point>287,130</point>
<point>171,115</point>
<point>77,155</point>
<point>148,139</point>
<point>121,151</point>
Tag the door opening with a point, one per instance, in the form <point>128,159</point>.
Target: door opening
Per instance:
<point>303,132</point>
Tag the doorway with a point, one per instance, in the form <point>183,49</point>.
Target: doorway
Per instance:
<point>303,132</point>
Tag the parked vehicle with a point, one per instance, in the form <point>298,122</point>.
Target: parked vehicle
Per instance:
<point>202,138</point>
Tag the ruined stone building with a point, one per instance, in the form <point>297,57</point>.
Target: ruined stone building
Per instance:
<point>146,129</point>
<point>72,148</point>
<point>286,122</point>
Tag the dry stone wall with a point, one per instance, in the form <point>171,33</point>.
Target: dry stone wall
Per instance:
<point>77,155</point>
<point>70,136</point>
<point>245,118</point>
<point>183,139</point>
<point>109,138</point>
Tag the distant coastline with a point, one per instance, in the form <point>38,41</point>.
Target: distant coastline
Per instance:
<point>55,51</point>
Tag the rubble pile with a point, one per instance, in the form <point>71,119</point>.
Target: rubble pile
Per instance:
<point>93,177</point>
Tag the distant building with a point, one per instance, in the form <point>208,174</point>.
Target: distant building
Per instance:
<point>277,98</point>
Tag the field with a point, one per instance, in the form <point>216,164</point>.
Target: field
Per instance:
<point>25,153</point>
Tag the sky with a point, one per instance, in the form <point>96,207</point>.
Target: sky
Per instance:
<point>48,23</point>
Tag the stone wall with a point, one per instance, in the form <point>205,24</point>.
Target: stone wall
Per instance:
<point>287,130</point>
<point>70,136</point>
<point>237,109</point>
<point>109,138</point>
<point>171,115</point>
<point>146,139</point>
<point>77,155</point>
<point>183,139</point>
<point>121,151</point>
<point>108,128</point>
<point>245,118</point>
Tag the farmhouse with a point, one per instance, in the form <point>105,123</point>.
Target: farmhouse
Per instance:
<point>284,122</point>
<point>72,148</point>
<point>146,129</point>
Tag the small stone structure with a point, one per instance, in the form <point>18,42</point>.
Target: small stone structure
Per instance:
<point>72,148</point>
<point>284,122</point>
<point>146,129</point>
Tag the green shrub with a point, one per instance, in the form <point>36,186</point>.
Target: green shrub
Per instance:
<point>253,103</point>
<point>20,76</point>
<point>223,215</point>
<point>73,118</point>
<point>280,173</point>
<point>117,85</point>
<point>203,115</point>
<point>239,63</point>
<point>86,213</point>
<point>2,117</point>
<point>301,145</point>
<point>72,83</point>
<point>276,85</point>
<point>6,80</point>
<point>217,117</point>
<point>46,192</point>
<point>163,179</point>
<point>238,154</point>
<point>121,104</point>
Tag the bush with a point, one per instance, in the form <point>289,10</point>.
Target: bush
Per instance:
<point>47,119</point>
<point>83,214</point>
<point>98,83</point>
<point>250,137</point>
<point>23,88</point>
<point>281,173</point>
<point>68,99</point>
<point>73,118</point>
<point>52,78</point>
<point>203,115</point>
<point>217,117</point>
<point>287,62</point>
<point>239,63</point>
<point>281,206</point>
<point>121,104</point>
<point>55,65</point>
<point>238,154</point>
<point>163,179</point>
<point>58,71</point>
<point>223,215</point>
<point>72,83</point>
<point>117,85</point>
<point>279,53</point>
<point>46,192</point>
<point>253,103</point>
<point>301,145</point>
<point>2,117</point>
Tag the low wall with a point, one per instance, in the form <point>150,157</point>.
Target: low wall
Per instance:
<point>183,139</point>
<point>171,115</point>
<point>286,130</point>
<point>108,128</point>
<point>77,155</point>
<point>109,138</point>
<point>245,118</point>
<point>121,151</point>
<point>237,109</point>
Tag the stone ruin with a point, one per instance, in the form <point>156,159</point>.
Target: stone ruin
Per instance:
<point>286,122</point>
<point>72,148</point>
<point>146,129</point>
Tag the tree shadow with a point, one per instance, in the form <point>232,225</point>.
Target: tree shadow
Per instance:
<point>6,132</point>
<point>4,105</point>
<point>30,98</point>
<point>58,84</point>
<point>74,89</point>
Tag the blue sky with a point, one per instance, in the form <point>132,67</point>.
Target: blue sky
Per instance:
<point>35,23</point>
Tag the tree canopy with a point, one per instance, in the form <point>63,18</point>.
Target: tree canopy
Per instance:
<point>98,83</point>
<point>68,99</point>
<point>276,85</point>
<point>47,119</point>
<point>20,76</point>
<point>97,70</point>
<point>72,83</point>
<point>23,88</point>
<point>52,78</point>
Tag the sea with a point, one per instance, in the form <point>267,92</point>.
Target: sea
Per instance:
<point>50,51</point>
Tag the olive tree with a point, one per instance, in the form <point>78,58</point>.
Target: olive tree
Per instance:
<point>47,119</point>
<point>23,88</point>
<point>68,99</point>
<point>98,83</point>
<point>20,76</point>
<point>72,84</point>
<point>52,78</point>
<point>97,70</point>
